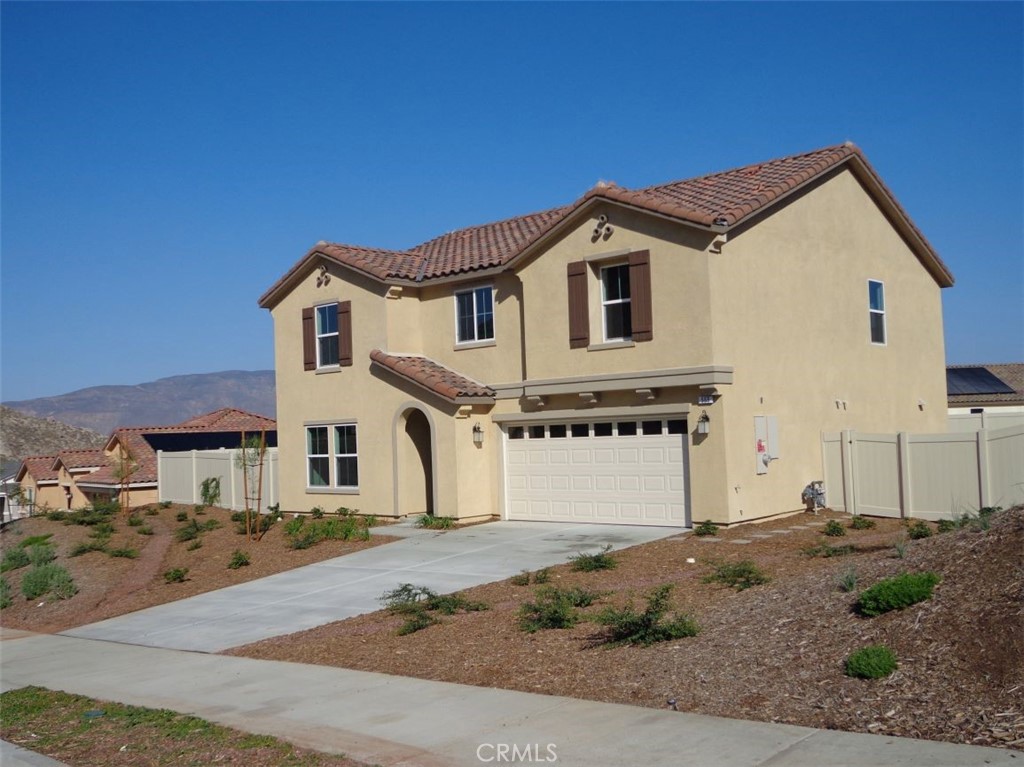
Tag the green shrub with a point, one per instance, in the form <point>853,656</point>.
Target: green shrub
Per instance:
<point>899,547</point>
<point>449,604</point>
<point>14,558</point>
<point>627,626</point>
<point>432,522</point>
<point>861,523</point>
<point>209,491</point>
<point>145,530</point>
<point>177,575</point>
<point>947,525</point>
<point>826,551</point>
<point>707,527</point>
<point>738,575</point>
<point>553,608</point>
<point>41,553</point>
<point>45,579</point>
<point>238,559</point>
<point>151,512</point>
<point>291,527</point>
<point>344,511</point>
<point>872,662</point>
<point>134,521</point>
<point>401,598</point>
<point>317,512</point>
<point>102,530</point>
<point>918,529</point>
<point>343,529</point>
<point>125,553</point>
<point>588,563</point>
<point>163,505</point>
<point>181,516</point>
<point>834,529</point>
<point>85,547</point>
<point>523,579</point>
<point>89,516</point>
<point>196,544</point>
<point>416,621</point>
<point>416,603</point>
<point>542,576</point>
<point>5,594</point>
<point>189,531</point>
<point>897,593</point>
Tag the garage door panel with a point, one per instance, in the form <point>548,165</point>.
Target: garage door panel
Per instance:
<point>631,479</point>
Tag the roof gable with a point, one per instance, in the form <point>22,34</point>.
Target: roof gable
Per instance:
<point>716,202</point>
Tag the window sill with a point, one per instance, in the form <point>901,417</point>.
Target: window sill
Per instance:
<point>610,345</point>
<point>328,369</point>
<point>475,344</point>
<point>332,490</point>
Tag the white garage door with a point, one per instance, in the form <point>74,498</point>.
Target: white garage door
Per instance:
<point>619,472</point>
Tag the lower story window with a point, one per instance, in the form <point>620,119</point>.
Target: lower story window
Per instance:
<point>332,447</point>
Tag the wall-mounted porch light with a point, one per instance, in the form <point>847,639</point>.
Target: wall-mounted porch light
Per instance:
<point>704,423</point>
<point>478,434</point>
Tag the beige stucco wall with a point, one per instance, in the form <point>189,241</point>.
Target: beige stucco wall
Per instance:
<point>390,479</point>
<point>790,311</point>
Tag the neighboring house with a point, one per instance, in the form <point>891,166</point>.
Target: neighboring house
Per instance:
<point>985,396</point>
<point>76,478</point>
<point>649,356</point>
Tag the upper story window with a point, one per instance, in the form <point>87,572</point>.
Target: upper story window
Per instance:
<point>616,303</point>
<point>474,315</point>
<point>876,311</point>
<point>327,335</point>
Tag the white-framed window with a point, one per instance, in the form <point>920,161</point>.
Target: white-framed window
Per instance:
<point>327,344</point>
<point>332,457</point>
<point>318,457</point>
<point>876,311</point>
<point>616,303</point>
<point>474,315</point>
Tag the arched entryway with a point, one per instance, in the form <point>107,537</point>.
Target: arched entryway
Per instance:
<point>414,465</point>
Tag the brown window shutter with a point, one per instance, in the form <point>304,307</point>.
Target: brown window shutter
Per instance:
<point>640,295</point>
<point>345,333</point>
<point>308,339</point>
<point>579,311</point>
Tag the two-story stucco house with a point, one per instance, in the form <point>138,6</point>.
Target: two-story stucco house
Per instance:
<point>651,356</point>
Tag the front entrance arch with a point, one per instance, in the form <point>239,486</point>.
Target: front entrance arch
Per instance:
<point>415,486</point>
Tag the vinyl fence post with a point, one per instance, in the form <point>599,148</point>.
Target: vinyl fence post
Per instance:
<point>195,477</point>
<point>847,442</point>
<point>903,463</point>
<point>984,491</point>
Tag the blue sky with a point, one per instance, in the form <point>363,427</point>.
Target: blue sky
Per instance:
<point>164,163</point>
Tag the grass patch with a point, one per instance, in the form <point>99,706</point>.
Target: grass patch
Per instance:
<point>627,626</point>
<point>124,552</point>
<point>432,522</point>
<point>738,575</point>
<point>14,559</point>
<point>58,723</point>
<point>897,593</point>
<point>87,547</point>
<point>33,540</point>
<point>872,662</point>
<point>588,563</point>
<point>48,580</point>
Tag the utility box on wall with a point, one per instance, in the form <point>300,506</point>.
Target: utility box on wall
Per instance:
<point>766,441</point>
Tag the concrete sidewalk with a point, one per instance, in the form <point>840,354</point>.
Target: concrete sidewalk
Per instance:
<point>396,721</point>
<point>352,584</point>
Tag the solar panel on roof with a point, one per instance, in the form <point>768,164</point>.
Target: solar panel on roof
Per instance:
<point>976,380</point>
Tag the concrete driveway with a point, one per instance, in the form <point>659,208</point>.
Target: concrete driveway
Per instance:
<point>352,585</point>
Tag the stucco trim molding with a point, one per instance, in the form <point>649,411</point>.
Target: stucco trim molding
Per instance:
<point>594,414</point>
<point>704,375</point>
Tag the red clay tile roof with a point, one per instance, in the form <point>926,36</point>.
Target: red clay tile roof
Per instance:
<point>80,459</point>
<point>229,419</point>
<point>433,376</point>
<point>717,200</point>
<point>40,467</point>
<point>1010,373</point>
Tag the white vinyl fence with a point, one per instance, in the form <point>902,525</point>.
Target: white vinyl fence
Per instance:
<point>929,476</point>
<point>990,419</point>
<point>181,476</point>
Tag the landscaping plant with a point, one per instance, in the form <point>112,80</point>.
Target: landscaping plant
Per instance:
<point>627,626</point>
<point>435,523</point>
<point>872,662</point>
<point>897,593</point>
<point>738,575</point>
<point>918,529</point>
<point>588,563</point>
<point>857,522</point>
<point>554,608</point>
<point>5,594</point>
<point>48,579</point>
<point>834,528</point>
<point>707,527</point>
<point>238,559</point>
<point>177,575</point>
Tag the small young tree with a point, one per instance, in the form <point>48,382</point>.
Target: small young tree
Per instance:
<point>125,466</point>
<point>249,459</point>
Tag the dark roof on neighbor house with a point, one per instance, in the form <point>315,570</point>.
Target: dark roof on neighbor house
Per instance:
<point>985,384</point>
<point>433,376</point>
<point>716,202</point>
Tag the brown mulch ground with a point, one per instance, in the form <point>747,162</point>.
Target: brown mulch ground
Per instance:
<point>775,652</point>
<point>110,586</point>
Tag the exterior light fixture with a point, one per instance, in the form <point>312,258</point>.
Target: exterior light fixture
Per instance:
<point>704,423</point>
<point>478,434</point>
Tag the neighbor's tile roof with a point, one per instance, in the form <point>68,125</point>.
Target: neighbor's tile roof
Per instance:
<point>1010,373</point>
<point>228,419</point>
<point>717,199</point>
<point>431,375</point>
<point>40,467</point>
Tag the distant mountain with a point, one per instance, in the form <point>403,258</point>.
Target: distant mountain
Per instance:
<point>23,435</point>
<point>158,403</point>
